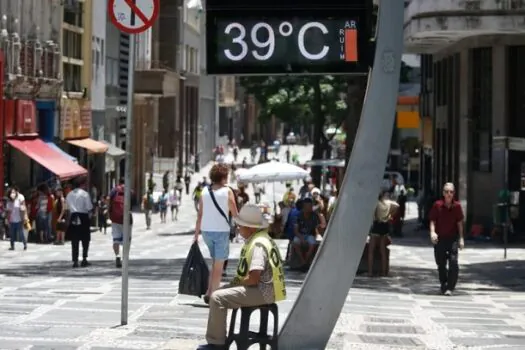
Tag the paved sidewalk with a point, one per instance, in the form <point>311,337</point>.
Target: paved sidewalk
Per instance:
<point>45,305</point>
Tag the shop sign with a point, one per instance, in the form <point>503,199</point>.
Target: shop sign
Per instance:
<point>75,119</point>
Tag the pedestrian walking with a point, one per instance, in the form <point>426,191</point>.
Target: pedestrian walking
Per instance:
<point>446,234</point>
<point>213,221</point>
<point>103,213</point>
<point>3,218</point>
<point>16,213</point>
<point>147,207</point>
<point>60,213</point>
<point>116,215</point>
<point>174,200</point>
<point>44,209</point>
<point>197,193</point>
<point>80,206</point>
<point>163,206</point>
<point>179,185</point>
<point>187,182</point>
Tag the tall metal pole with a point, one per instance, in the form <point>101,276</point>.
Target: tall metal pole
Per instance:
<point>127,186</point>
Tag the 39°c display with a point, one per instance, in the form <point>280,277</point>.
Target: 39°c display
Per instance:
<point>288,45</point>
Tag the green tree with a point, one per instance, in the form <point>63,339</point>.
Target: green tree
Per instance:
<point>302,100</point>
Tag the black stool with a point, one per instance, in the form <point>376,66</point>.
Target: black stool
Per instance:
<point>244,339</point>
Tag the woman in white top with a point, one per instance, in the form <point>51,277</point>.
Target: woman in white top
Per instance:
<point>216,207</point>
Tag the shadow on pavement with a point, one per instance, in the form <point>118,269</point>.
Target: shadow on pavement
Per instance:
<point>416,236</point>
<point>169,234</point>
<point>482,278</point>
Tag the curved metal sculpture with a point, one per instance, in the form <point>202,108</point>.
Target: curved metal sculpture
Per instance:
<point>318,306</point>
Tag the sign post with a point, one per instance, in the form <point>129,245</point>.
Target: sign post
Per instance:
<point>131,17</point>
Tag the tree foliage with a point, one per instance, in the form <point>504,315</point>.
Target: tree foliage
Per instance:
<point>291,98</point>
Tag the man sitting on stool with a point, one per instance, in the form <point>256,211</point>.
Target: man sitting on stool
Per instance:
<point>259,280</point>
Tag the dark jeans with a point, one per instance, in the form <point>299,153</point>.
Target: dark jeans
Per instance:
<point>79,232</point>
<point>446,250</point>
<point>42,225</point>
<point>16,232</point>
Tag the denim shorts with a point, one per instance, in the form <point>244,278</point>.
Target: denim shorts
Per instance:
<point>218,244</point>
<point>117,233</point>
<point>309,239</point>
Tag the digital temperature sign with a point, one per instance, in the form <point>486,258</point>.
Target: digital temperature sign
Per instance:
<point>265,42</point>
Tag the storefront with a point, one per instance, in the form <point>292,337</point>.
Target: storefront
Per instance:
<point>113,157</point>
<point>75,130</point>
<point>28,151</point>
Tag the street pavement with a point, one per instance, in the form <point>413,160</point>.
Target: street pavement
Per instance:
<point>44,304</point>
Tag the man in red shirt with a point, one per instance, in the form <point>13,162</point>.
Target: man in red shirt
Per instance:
<point>446,234</point>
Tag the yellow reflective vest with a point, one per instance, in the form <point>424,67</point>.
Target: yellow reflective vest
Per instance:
<point>274,260</point>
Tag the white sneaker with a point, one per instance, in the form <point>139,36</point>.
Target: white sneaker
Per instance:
<point>448,293</point>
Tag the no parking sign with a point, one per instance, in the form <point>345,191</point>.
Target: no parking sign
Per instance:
<point>133,16</point>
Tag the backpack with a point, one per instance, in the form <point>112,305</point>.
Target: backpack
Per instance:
<point>116,212</point>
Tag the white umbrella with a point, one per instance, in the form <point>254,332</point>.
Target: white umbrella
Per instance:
<point>332,130</point>
<point>238,172</point>
<point>273,172</point>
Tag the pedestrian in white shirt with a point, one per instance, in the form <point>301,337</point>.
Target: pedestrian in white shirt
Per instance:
<point>16,212</point>
<point>79,206</point>
<point>174,200</point>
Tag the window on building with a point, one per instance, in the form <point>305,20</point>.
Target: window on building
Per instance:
<point>226,90</point>
<point>93,65</point>
<point>193,18</point>
<point>102,51</point>
<point>73,12</point>
<point>72,45</point>
<point>112,72</point>
<point>192,60</point>
<point>186,58</point>
<point>72,77</point>
<point>481,107</point>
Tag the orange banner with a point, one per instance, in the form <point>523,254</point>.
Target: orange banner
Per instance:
<point>351,45</point>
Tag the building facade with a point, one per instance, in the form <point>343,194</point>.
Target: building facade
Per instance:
<point>111,126</point>
<point>471,90</point>
<point>31,47</point>
<point>207,129</point>
<point>76,113</point>
<point>190,82</point>
<point>155,110</point>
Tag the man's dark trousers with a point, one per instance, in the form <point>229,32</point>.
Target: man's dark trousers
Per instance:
<point>446,251</point>
<point>79,233</point>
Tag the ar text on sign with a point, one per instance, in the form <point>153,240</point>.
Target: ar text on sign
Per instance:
<point>348,40</point>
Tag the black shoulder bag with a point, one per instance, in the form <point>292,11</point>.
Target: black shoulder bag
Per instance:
<point>223,214</point>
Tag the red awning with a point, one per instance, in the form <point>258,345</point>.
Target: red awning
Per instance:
<point>50,159</point>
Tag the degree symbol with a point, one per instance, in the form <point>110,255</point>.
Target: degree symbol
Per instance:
<point>285,29</point>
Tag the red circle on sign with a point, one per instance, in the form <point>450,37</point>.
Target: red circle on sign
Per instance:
<point>147,24</point>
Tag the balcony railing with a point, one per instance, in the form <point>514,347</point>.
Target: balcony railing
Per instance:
<point>416,7</point>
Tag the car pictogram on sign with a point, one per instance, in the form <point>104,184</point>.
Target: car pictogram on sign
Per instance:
<point>133,16</point>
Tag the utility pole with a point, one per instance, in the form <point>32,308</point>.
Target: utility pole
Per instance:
<point>127,185</point>
<point>181,94</point>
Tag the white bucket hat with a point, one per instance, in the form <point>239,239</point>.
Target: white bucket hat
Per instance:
<point>251,216</point>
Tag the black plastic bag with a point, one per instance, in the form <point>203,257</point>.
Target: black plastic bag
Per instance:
<point>195,273</point>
